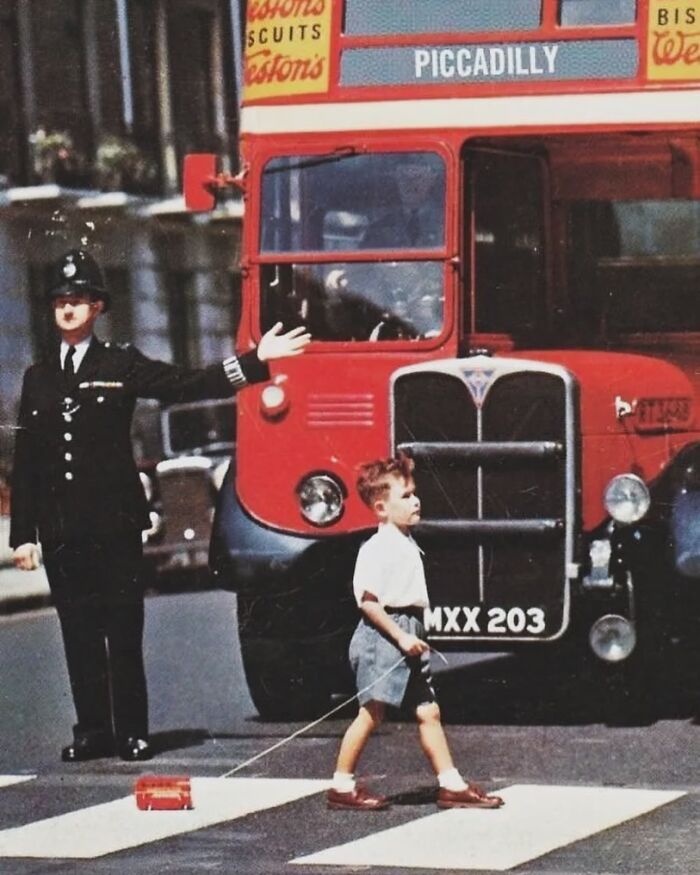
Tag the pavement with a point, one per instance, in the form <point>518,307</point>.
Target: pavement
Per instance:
<point>19,590</point>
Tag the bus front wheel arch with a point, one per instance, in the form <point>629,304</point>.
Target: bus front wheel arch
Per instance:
<point>292,670</point>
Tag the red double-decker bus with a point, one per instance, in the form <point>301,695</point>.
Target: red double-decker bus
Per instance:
<point>488,215</point>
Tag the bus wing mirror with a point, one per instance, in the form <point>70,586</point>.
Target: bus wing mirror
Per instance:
<point>201,182</point>
<point>198,174</point>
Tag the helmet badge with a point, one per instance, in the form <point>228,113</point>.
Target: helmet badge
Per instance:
<point>69,270</point>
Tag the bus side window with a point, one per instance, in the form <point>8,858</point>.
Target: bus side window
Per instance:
<point>583,12</point>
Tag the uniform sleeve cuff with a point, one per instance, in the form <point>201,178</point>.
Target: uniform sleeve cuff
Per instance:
<point>244,369</point>
<point>234,372</point>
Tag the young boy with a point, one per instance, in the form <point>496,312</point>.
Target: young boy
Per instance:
<point>389,585</point>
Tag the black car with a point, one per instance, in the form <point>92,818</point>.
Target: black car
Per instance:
<point>197,439</point>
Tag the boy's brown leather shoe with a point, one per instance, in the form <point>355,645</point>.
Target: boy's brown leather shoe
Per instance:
<point>471,797</point>
<point>358,799</point>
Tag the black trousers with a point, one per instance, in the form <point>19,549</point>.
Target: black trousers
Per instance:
<point>98,594</point>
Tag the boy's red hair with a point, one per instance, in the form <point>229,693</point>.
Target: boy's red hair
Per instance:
<point>373,477</point>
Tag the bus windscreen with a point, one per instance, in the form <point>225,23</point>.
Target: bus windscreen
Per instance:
<point>355,201</point>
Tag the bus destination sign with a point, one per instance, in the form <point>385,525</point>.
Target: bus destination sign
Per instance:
<point>674,40</point>
<point>491,62</point>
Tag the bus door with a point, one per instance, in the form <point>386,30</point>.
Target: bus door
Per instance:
<point>506,284</point>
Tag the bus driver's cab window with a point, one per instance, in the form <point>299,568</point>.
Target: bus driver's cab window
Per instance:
<point>343,202</point>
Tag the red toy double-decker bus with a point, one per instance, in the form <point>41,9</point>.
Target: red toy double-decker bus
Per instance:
<point>487,214</point>
<point>163,793</point>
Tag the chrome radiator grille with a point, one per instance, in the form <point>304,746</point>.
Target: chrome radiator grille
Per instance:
<point>494,446</point>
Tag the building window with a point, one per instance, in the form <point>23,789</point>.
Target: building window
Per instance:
<point>195,49</point>
<point>62,138</point>
<point>104,40</point>
<point>142,52</point>
<point>183,321</point>
<point>582,12</point>
<point>117,323</point>
<point>11,158</point>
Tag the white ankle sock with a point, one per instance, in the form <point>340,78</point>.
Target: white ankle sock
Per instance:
<point>451,780</point>
<point>343,782</point>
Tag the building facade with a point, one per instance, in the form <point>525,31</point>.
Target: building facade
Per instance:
<point>99,102</point>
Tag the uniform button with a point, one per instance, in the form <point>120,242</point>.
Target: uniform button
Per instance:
<point>35,412</point>
<point>67,417</point>
<point>68,401</point>
<point>68,475</point>
<point>68,457</point>
<point>67,436</point>
<point>100,399</point>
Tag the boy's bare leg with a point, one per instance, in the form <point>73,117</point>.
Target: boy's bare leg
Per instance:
<point>432,737</point>
<point>454,791</point>
<point>344,792</point>
<point>369,717</point>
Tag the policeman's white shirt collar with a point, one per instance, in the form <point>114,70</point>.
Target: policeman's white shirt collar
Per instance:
<point>80,350</point>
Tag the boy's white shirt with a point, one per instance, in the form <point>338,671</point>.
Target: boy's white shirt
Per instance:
<point>390,566</point>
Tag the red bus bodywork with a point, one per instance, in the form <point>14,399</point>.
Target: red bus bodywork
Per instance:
<point>600,122</point>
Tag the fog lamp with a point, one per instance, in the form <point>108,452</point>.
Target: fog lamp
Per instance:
<point>321,499</point>
<point>626,498</point>
<point>612,638</point>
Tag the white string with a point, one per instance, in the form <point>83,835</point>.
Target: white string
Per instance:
<point>311,725</point>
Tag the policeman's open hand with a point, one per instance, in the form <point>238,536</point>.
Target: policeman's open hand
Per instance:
<point>274,345</point>
<point>26,557</point>
<point>411,645</point>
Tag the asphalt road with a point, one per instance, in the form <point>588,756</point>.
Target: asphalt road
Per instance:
<point>582,796</point>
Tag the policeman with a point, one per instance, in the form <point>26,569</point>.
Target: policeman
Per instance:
<point>76,489</point>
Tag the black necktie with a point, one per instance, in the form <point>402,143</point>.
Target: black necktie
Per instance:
<point>68,369</point>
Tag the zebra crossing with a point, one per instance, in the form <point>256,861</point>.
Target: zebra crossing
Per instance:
<point>536,818</point>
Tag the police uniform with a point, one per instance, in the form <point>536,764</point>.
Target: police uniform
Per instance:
<point>76,489</point>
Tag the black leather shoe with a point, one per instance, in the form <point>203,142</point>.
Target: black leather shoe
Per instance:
<point>133,749</point>
<point>88,747</point>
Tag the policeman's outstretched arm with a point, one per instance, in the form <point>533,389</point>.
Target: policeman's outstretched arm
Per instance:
<point>26,557</point>
<point>274,345</point>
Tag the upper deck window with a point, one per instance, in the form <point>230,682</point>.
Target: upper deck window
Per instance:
<point>317,203</point>
<point>583,12</point>
<point>368,17</point>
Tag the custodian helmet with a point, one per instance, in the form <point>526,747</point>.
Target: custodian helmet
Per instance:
<point>77,273</point>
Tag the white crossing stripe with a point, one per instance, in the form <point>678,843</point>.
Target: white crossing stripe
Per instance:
<point>115,826</point>
<point>9,780</point>
<point>534,821</point>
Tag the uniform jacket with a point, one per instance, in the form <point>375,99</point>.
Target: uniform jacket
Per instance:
<point>74,474</point>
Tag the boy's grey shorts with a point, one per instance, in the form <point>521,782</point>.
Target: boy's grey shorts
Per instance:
<point>372,654</point>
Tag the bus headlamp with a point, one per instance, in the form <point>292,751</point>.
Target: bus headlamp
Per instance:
<point>626,498</point>
<point>321,499</point>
